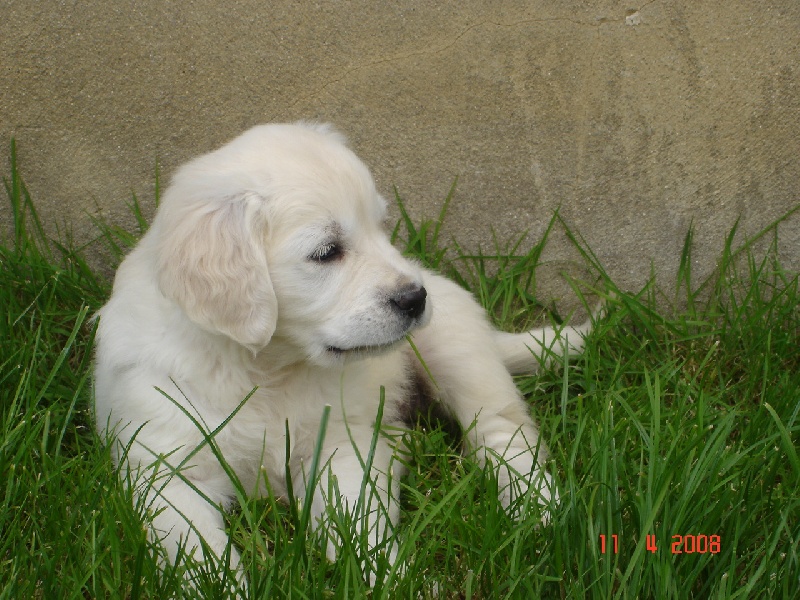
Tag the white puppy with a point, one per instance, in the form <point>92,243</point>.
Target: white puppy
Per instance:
<point>267,268</point>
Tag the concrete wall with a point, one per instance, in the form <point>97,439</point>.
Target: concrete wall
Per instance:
<point>636,120</point>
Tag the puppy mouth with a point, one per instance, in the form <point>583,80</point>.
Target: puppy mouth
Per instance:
<point>373,349</point>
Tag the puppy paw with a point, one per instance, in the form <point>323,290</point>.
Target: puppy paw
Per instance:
<point>517,493</point>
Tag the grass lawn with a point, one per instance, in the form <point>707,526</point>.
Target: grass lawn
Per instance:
<point>673,442</point>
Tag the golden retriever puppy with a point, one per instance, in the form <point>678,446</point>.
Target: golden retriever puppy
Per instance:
<point>267,268</point>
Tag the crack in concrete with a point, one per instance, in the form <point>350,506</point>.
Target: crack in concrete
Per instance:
<point>588,86</point>
<point>455,40</point>
<point>583,133</point>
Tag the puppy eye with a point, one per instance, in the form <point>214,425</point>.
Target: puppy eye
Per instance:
<point>327,253</point>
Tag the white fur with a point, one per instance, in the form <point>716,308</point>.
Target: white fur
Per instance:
<point>229,291</point>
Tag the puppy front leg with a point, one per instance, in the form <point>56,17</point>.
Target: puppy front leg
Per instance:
<point>183,521</point>
<point>461,353</point>
<point>498,426</point>
<point>343,487</point>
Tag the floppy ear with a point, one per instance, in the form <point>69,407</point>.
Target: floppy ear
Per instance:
<point>211,261</point>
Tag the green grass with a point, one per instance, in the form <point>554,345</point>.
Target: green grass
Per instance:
<point>681,419</point>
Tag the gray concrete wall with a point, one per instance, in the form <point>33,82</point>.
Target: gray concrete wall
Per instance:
<point>636,120</point>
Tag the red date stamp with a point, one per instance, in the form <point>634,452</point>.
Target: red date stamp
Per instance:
<point>679,544</point>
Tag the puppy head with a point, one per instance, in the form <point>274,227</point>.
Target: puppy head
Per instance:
<point>280,234</point>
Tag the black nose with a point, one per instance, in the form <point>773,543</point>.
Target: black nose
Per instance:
<point>410,302</point>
